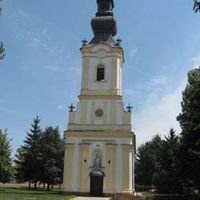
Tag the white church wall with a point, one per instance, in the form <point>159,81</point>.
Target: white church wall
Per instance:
<point>97,85</point>
<point>114,114</point>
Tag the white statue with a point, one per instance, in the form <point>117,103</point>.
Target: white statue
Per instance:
<point>97,163</point>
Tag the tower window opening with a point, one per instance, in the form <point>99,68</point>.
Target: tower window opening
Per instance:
<point>100,74</point>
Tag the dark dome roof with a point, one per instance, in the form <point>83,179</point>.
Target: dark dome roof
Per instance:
<point>104,25</point>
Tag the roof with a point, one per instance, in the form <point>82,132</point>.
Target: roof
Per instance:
<point>104,25</point>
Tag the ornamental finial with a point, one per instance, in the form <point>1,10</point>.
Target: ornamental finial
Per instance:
<point>105,7</point>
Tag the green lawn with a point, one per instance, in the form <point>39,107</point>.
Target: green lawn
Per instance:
<point>19,194</point>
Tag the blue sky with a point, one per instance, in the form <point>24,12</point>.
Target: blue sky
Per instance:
<point>41,72</point>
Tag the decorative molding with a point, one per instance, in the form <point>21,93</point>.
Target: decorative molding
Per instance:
<point>99,134</point>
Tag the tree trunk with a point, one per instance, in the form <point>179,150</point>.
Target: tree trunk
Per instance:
<point>29,185</point>
<point>43,186</point>
<point>48,187</point>
<point>35,185</point>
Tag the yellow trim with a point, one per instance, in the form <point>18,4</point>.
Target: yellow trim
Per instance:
<point>85,73</point>
<point>114,73</point>
<point>96,96</point>
<point>110,168</point>
<point>84,167</point>
<point>68,166</point>
<point>106,115</point>
<point>93,112</point>
<point>114,112</point>
<point>110,92</point>
<point>98,134</point>
<point>110,50</point>
<point>126,151</point>
<point>84,108</point>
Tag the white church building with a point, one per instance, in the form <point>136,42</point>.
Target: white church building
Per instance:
<point>99,142</point>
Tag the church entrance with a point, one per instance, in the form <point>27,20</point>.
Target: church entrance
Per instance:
<point>96,183</point>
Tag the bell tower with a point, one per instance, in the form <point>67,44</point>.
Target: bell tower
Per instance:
<point>99,142</point>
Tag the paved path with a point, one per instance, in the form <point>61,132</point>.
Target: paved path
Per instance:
<point>91,198</point>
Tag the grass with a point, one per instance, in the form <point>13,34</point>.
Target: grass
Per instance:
<point>21,194</point>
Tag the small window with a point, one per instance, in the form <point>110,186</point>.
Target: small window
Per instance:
<point>100,74</point>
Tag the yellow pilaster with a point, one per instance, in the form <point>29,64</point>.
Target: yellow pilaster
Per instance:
<point>85,73</point>
<point>68,167</point>
<point>84,108</point>
<point>110,168</point>
<point>84,167</point>
<point>105,117</point>
<point>93,114</point>
<point>113,112</point>
<point>114,73</point>
<point>127,177</point>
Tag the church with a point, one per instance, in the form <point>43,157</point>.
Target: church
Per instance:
<point>99,142</point>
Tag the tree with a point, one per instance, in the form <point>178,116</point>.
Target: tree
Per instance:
<point>52,157</point>
<point>20,166</point>
<point>189,119</point>
<point>40,159</point>
<point>29,157</point>
<point>168,180</point>
<point>156,163</point>
<point>2,50</point>
<point>5,158</point>
<point>148,161</point>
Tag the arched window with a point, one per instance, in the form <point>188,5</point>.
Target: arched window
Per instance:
<point>100,73</point>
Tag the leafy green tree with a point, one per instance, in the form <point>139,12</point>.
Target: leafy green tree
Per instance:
<point>189,119</point>
<point>5,158</point>
<point>52,156</point>
<point>29,157</point>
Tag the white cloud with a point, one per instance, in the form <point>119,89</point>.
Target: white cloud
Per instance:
<point>54,68</point>
<point>75,68</point>
<point>149,91</point>
<point>196,61</point>
<point>133,53</point>
<point>130,93</point>
<point>61,107</point>
<point>158,117</point>
<point>3,109</point>
<point>158,81</point>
